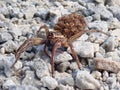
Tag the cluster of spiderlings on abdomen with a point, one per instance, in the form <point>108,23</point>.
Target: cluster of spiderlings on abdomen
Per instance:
<point>69,25</point>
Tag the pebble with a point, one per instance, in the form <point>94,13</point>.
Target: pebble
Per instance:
<point>7,84</point>
<point>115,11</point>
<point>82,49</point>
<point>62,57</point>
<point>109,44</point>
<point>62,67</point>
<point>65,87</point>
<point>29,12</point>
<point>41,68</point>
<point>6,61</point>
<point>100,1</point>
<point>23,87</point>
<point>18,65</point>
<point>105,75</point>
<point>30,79</point>
<point>111,81</point>
<point>98,25</point>
<point>113,55</point>
<point>49,82</point>
<point>84,80</point>
<point>116,33</point>
<point>4,36</point>
<point>106,64</point>
<point>104,13</point>
<point>67,81</point>
<point>96,75</point>
<point>10,46</point>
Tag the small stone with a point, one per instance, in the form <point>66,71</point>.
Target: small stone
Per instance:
<point>96,75</point>
<point>105,75</point>
<point>114,23</point>
<point>100,1</point>
<point>118,76</point>
<point>82,49</point>
<point>6,61</point>
<point>41,68</point>
<point>73,66</point>
<point>96,16</point>
<point>111,81</point>
<point>42,13</point>
<point>29,12</point>
<point>67,81</point>
<point>18,65</point>
<point>30,79</point>
<point>108,65</point>
<point>99,55</point>
<point>64,87</point>
<point>109,44</point>
<point>62,57</point>
<point>7,84</point>
<point>104,13</point>
<point>10,46</point>
<point>2,50</point>
<point>15,31</point>
<point>96,47</point>
<point>84,80</point>
<point>116,33</point>
<point>62,67</point>
<point>49,82</point>
<point>115,11</point>
<point>4,36</point>
<point>22,87</point>
<point>113,2</point>
<point>98,25</point>
<point>59,76</point>
<point>113,55</point>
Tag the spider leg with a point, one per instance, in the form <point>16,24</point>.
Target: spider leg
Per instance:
<point>46,51</point>
<point>28,43</point>
<point>89,31</point>
<point>74,37</point>
<point>55,47</point>
<point>43,27</point>
<point>75,56</point>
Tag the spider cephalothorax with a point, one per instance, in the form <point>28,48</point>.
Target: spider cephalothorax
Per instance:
<point>68,28</point>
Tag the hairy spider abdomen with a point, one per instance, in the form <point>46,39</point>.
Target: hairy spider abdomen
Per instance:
<point>69,25</point>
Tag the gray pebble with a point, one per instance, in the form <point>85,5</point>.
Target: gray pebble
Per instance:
<point>10,46</point>
<point>62,67</point>
<point>62,57</point>
<point>5,36</point>
<point>109,44</point>
<point>84,80</point>
<point>49,82</point>
<point>6,61</point>
<point>82,49</point>
<point>41,68</point>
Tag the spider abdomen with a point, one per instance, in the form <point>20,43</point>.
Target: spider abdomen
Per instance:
<point>69,25</point>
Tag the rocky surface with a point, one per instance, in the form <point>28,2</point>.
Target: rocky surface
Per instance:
<point>20,19</point>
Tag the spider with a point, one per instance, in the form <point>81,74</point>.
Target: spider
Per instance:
<point>68,29</point>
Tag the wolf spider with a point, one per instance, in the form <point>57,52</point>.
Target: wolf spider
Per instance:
<point>68,29</point>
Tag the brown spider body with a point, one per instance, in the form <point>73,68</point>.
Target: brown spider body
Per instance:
<point>68,28</point>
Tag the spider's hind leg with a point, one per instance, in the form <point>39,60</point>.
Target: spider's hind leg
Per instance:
<point>75,56</point>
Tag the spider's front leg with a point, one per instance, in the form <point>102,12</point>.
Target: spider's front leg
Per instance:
<point>28,43</point>
<point>55,47</point>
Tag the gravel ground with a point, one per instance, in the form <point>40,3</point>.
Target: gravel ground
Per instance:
<point>99,54</point>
